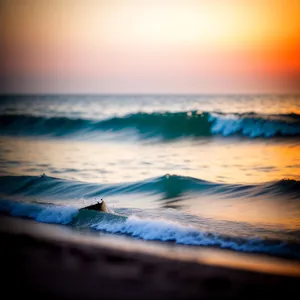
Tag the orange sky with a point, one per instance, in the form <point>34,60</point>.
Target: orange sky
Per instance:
<point>142,46</point>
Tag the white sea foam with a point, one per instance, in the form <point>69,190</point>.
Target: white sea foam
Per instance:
<point>231,124</point>
<point>39,212</point>
<point>164,230</point>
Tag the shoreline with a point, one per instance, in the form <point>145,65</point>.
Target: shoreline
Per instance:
<point>41,262</point>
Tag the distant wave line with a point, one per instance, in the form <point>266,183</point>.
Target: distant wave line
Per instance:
<point>158,125</point>
<point>167,187</point>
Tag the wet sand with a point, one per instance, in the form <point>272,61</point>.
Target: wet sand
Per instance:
<point>43,267</point>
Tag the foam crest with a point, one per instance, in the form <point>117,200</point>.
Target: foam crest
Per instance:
<point>39,212</point>
<point>170,231</point>
<point>252,126</point>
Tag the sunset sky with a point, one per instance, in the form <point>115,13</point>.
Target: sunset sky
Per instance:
<point>142,46</point>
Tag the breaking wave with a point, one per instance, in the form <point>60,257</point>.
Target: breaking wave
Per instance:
<point>158,125</point>
<point>147,229</point>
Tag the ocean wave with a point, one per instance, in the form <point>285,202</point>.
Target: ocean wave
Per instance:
<point>146,229</point>
<point>158,125</point>
<point>165,188</point>
<point>40,212</point>
<point>170,231</point>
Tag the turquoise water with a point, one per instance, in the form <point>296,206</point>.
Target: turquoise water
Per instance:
<point>218,171</point>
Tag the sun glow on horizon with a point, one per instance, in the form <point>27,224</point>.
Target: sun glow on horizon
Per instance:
<point>157,46</point>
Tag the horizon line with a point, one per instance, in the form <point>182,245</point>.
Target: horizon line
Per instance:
<point>149,94</point>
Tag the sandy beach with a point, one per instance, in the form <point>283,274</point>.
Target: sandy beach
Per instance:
<point>39,266</point>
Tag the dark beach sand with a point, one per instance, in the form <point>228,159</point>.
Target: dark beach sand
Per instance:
<point>50,266</point>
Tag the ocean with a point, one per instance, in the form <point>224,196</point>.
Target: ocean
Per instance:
<point>218,171</point>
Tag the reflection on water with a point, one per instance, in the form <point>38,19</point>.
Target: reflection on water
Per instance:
<point>218,161</point>
<point>209,160</point>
